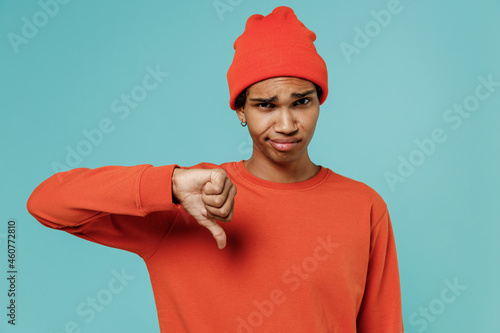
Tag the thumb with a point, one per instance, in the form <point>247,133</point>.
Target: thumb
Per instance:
<point>214,228</point>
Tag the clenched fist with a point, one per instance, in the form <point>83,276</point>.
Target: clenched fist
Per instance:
<point>208,195</point>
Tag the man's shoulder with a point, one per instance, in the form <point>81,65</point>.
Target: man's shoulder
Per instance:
<point>352,188</point>
<point>333,182</point>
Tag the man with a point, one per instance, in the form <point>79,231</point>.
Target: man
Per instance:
<point>307,250</point>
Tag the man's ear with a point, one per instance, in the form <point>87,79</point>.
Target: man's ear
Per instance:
<point>241,114</point>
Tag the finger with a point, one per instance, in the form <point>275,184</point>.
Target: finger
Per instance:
<point>216,231</point>
<point>216,184</point>
<point>217,200</point>
<point>225,212</point>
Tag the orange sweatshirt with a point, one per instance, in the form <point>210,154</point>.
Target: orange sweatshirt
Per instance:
<point>312,256</point>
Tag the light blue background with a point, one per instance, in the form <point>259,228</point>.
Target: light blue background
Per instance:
<point>394,91</point>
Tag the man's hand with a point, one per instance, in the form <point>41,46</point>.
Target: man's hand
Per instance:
<point>208,195</point>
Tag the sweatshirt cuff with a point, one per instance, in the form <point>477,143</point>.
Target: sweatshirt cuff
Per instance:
<point>155,189</point>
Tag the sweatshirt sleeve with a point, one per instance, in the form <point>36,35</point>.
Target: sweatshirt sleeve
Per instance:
<point>130,208</point>
<point>380,309</point>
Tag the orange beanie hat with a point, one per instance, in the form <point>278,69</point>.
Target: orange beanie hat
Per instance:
<point>275,45</point>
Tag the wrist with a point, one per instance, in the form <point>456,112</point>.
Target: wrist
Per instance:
<point>175,176</point>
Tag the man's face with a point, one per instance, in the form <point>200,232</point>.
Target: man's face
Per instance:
<point>281,114</point>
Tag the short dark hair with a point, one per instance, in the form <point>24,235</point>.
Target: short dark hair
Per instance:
<point>240,101</point>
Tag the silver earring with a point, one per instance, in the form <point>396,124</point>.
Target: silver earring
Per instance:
<point>243,124</point>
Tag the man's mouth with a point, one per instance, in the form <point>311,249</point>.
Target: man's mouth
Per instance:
<point>284,144</point>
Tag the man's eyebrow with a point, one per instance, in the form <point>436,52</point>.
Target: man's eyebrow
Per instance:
<point>304,94</point>
<point>275,98</point>
<point>264,100</point>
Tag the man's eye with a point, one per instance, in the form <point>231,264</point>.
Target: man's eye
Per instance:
<point>302,101</point>
<point>265,105</point>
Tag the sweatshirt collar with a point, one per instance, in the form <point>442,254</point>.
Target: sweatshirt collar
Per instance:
<point>297,186</point>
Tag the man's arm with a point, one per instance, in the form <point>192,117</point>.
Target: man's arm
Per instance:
<point>125,207</point>
<point>380,309</point>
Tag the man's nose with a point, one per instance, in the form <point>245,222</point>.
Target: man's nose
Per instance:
<point>285,121</point>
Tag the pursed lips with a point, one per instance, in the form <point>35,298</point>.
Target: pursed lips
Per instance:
<point>284,144</point>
